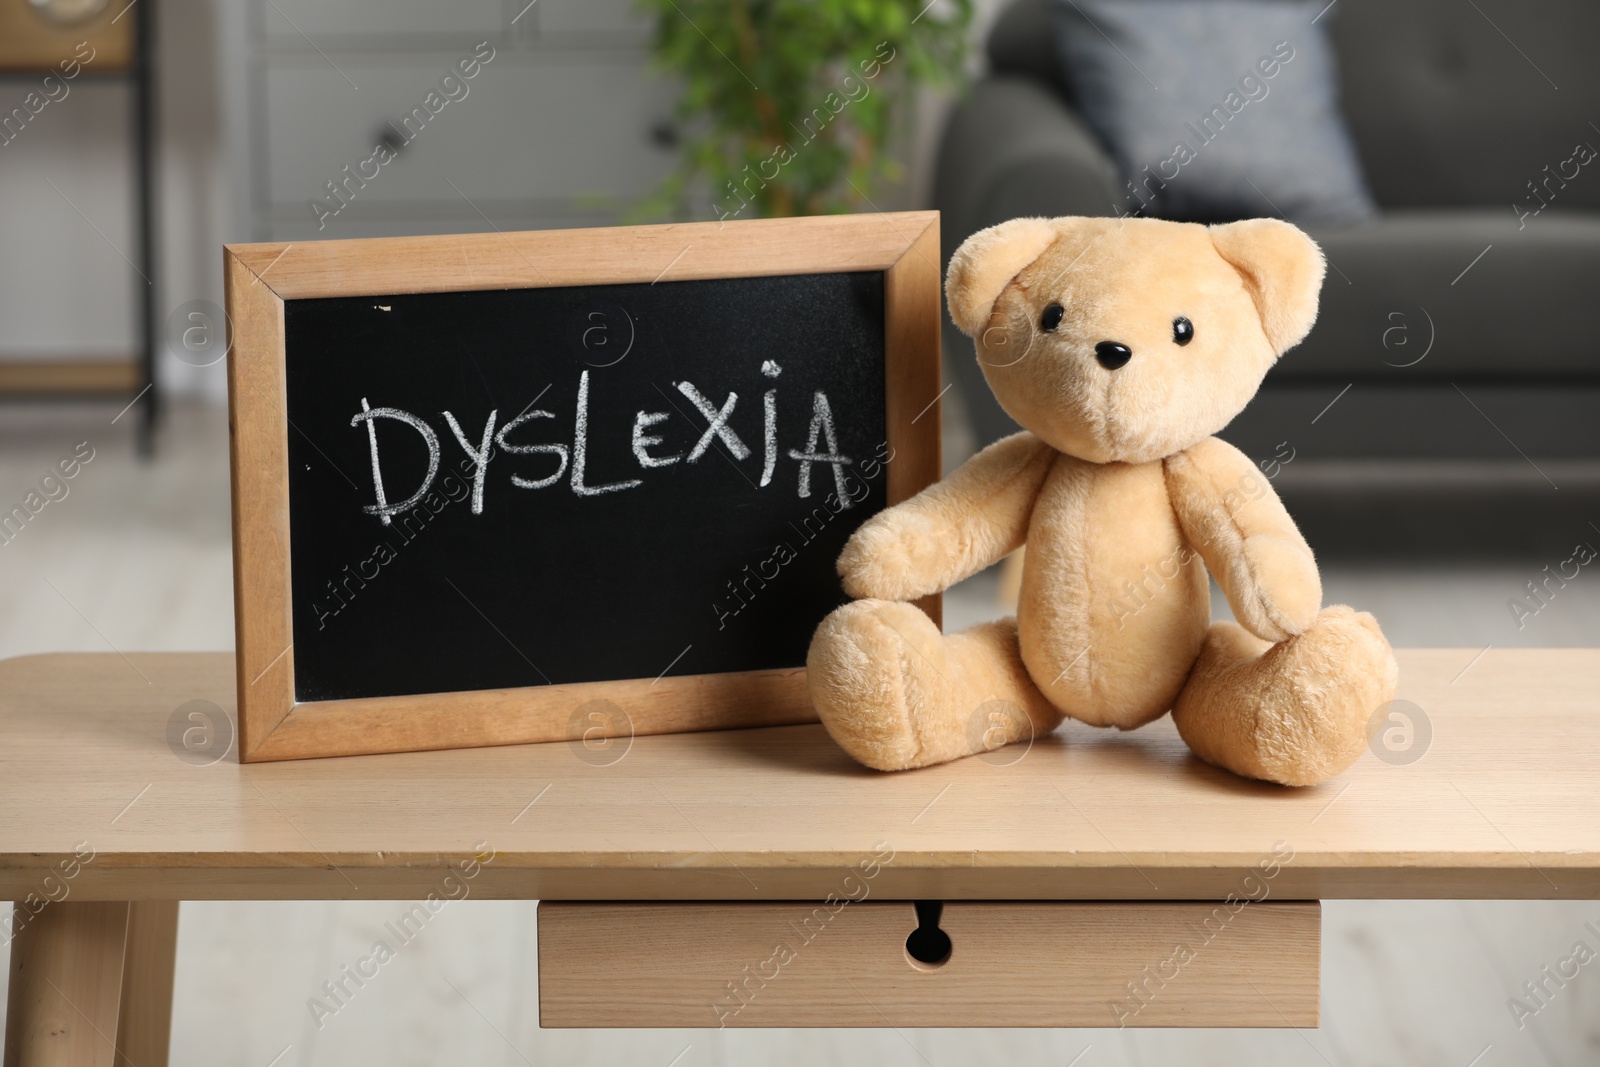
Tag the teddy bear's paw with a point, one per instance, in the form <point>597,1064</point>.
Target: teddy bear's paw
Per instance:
<point>1285,567</point>
<point>895,693</point>
<point>1296,712</point>
<point>860,673</point>
<point>890,557</point>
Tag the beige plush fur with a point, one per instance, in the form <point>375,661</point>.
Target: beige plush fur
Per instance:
<point>1125,501</point>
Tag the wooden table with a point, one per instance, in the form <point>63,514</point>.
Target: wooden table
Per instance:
<point>1041,856</point>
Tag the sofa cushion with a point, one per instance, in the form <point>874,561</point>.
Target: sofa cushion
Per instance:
<point>1445,293</point>
<point>1220,110</point>
<point>1456,104</point>
<point>1022,42</point>
<point>1012,149</point>
<point>1450,104</point>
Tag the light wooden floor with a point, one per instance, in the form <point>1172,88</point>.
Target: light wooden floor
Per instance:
<point>136,557</point>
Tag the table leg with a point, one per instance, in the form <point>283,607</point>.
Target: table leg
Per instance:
<point>66,985</point>
<point>144,1027</point>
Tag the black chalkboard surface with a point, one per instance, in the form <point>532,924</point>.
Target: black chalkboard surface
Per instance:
<point>671,471</point>
<point>563,485</point>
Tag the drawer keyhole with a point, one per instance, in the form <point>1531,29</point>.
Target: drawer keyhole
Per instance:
<point>928,946</point>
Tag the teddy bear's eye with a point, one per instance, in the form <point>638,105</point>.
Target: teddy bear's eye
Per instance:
<point>1051,318</point>
<point>1182,331</point>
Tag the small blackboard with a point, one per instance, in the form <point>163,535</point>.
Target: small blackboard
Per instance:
<point>578,484</point>
<point>550,486</point>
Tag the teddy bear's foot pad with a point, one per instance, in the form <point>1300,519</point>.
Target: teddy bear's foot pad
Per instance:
<point>895,693</point>
<point>1296,712</point>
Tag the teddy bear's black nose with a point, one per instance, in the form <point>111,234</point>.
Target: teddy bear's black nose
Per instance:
<point>1112,354</point>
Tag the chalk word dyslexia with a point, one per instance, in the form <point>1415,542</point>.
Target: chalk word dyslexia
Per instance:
<point>561,462</point>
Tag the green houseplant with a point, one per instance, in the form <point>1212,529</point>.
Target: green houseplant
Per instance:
<point>788,105</point>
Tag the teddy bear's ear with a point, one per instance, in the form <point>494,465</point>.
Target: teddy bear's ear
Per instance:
<point>1282,268</point>
<point>985,264</point>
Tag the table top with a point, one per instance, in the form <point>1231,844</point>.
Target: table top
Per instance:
<point>1504,802</point>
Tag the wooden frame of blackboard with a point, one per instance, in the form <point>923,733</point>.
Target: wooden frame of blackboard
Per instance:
<point>259,278</point>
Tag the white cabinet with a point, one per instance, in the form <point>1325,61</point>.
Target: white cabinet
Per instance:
<point>562,127</point>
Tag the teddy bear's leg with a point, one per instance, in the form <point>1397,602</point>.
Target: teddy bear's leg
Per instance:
<point>1295,712</point>
<point>896,693</point>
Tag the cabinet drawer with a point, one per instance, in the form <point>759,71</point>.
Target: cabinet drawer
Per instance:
<point>284,21</point>
<point>519,133</point>
<point>290,23</point>
<point>289,225</point>
<point>614,18</point>
<point>1004,964</point>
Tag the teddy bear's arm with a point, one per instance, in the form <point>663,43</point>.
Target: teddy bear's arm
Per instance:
<point>1232,517</point>
<point>951,530</point>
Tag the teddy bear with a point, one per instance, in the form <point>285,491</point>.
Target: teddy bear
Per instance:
<point>1120,345</point>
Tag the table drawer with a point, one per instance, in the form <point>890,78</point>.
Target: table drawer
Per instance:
<point>1004,964</point>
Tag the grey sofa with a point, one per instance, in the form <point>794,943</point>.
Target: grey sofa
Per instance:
<point>1453,121</point>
